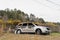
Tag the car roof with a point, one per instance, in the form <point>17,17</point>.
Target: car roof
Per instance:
<point>24,22</point>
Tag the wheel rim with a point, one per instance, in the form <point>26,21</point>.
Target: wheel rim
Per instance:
<point>18,32</point>
<point>38,32</point>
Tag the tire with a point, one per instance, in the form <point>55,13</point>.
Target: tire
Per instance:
<point>38,32</point>
<point>18,32</point>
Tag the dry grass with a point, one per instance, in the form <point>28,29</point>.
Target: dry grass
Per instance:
<point>10,36</point>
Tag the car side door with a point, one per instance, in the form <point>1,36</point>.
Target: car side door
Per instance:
<point>30,27</point>
<point>24,27</point>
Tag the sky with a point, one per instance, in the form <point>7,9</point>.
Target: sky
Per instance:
<point>49,10</point>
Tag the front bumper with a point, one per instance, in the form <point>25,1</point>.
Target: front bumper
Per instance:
<point>47,31</point>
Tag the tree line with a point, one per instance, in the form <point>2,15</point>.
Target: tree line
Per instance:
<point>14,14</point>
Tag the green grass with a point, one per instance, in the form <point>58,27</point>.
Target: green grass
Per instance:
<point>54,34</point>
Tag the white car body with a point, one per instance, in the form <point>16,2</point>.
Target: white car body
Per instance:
<point>32,28</point>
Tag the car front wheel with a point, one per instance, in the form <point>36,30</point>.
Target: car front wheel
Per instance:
<point>38,32</point>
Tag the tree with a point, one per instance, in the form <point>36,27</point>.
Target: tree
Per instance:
<point>41,20</point>
<point>2,12</point>
<point>32,17</point>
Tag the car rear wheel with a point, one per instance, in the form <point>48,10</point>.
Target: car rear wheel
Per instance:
<point>18,32</point>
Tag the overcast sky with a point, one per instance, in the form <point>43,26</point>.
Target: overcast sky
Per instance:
<point>49,10</point>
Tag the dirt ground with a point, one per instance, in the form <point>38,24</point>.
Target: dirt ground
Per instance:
<point>11,36</point>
